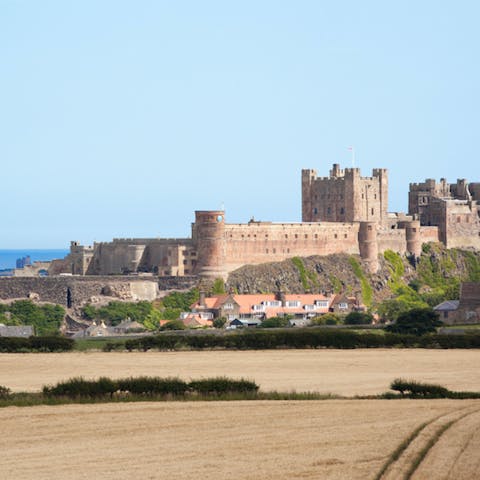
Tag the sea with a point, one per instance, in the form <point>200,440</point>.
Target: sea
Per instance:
<point>8,258</point>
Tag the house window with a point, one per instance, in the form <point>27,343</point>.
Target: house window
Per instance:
<point>292,303</point>
<point>228,306</point>
<point>343,306</point>
<point>309,307</point>
<point>321,303</point>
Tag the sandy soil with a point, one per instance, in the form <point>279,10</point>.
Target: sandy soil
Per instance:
<point>334,439</point>
<point>345,372</point>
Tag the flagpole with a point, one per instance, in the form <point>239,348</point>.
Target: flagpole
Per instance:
<point>352,149</point>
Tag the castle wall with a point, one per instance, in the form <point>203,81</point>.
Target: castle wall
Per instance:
<point>462,225</point>
<point>144,255</point>
<point>262,242</point>
<point>429,234</point>
<point>71,291</point>
<point>392,240</point>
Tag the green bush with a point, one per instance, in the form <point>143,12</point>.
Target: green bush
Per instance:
<point>413,388</point>
<point>418,321</point>
<point>79,387</point>
<point>153,386</point>
<point>35,344</point>
<point>276,322</point>
<point>326,319</point>
<point>222,385</point>
<point>5,392</point>
<point>358,318</point>
<point>173,325</point>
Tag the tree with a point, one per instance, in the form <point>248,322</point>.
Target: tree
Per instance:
<point>358,318</point>
<point>219,322</point>
<point>417,321</point>
<point>275,322</point>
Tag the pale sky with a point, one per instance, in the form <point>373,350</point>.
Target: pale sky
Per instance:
<point>120,118</point>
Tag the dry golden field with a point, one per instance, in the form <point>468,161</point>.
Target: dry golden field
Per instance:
<point>344,372</point>
<point>331,439</point>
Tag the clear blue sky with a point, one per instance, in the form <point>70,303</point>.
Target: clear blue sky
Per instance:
<point>120,118</point>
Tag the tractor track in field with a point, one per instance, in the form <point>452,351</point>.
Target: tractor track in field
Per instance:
<point>423,454</point>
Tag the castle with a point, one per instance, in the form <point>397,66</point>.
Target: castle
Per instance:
<point>341,213</point>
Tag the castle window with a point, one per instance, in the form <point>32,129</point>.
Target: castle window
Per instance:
<point>458,220</point>
<point>363,196</point>
<point>266,250</point>
<point>306,236</point>
<point>329,211</point>
<point>187,271</point>
<point>315,210</point>
<point>296,236</point>
<point>345,236</point>
<point>372,211</point>
<point>274,250</point>
<point>288,250</point>
<point>369,227</point>
<point>335,236</point>
<point>342,211</point>
<point>316,235</point>
<point>375,196</point>
<point>266,235</point>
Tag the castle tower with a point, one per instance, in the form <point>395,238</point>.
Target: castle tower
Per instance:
<point>414,240</point>
<point>209,239</point>
<point>308,178</point>
<point>368,245</point>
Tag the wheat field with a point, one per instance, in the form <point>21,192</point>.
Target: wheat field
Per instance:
<point>343,372</point>
<point>329,439</point>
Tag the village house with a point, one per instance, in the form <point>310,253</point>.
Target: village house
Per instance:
<point>463,311</point>
<point>252,309</point>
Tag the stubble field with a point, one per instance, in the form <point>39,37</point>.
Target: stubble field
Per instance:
<point>343,372</point>
<point>330,439</point>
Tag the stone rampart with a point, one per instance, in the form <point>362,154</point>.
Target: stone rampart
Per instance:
<point>72,291</point>
<point>258,242</point>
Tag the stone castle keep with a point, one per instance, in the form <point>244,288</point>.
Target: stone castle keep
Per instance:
<point>341,213</point>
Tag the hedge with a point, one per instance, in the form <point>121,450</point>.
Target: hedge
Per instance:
<point>148,386</point>
<point>35,344</point>
<point>301,338</point>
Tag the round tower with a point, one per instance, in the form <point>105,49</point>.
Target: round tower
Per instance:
<point>368,245</point>
<point>414,240</point>
<point>209,237</point>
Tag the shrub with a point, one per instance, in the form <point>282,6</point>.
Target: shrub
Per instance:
<point>326,319</point>
<point>5,392</point>
<point>222,385</point>
<point>153,386</point>
<point>79,387</point>
<point>413,388</point>
<point>275,322</point>
<point>173,325</point>
<point>358,318</point>
<point>417,321</point>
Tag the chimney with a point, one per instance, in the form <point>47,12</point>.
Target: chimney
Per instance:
<point>201,300</point>
<point>281,297</point>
